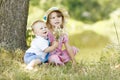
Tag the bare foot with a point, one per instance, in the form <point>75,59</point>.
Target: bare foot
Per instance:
<point>29,68</point>
<point>117,66</point>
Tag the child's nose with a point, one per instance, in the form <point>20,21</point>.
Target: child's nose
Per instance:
<point>57,18</point>
<point>44,28</point>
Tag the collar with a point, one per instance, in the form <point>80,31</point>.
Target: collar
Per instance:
<point>41,37</point>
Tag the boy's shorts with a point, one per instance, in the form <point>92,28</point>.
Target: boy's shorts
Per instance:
<point>32,56</point>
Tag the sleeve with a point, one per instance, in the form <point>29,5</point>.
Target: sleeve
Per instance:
<point>41,44</point>
<point>51,37</point>
<point>65,38</point>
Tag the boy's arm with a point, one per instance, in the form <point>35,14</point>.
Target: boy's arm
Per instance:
<point>52,47</point>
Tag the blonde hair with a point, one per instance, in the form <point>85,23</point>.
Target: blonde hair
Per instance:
<point>37,21</point>
<point>59,13</point>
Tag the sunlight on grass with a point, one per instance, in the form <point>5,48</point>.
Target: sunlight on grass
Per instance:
<point>89,55</point>
<point>106,28</point>
<point>96,56</point>
<point>99,53</point>
<point>90,65</point>
<point>74,26</point>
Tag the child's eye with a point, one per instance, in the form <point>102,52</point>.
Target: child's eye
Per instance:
<point>52,18</point>
<point>41,28</point>
<point>58,16</point>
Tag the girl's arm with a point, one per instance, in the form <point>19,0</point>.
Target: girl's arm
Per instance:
<point>69,48</point>
<point>52,47</point>
<point>70,51</point>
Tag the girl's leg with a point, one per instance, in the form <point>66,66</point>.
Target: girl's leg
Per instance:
<point>75,50</point>
<point>66,57</point>
<point>55,59</point>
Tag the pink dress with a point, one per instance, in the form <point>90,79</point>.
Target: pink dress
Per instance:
<point>59,56</point>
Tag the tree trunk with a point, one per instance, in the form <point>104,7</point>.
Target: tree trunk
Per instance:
<point>13,21</point>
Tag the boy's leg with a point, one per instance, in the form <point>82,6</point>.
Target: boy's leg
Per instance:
<point>31,65</point>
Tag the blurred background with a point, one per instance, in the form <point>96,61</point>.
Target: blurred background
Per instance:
<point>93,24</point>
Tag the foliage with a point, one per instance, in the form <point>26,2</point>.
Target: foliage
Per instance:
<point>29,36</point>
<point>84,10</point>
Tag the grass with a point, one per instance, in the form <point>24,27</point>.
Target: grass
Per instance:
<point>13,68</point>
<point>95,60</point>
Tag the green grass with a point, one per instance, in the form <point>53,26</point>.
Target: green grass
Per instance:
<point>94,61</point>
<point>13,68</point>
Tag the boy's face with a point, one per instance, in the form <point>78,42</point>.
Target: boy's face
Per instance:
<point>40,29</point>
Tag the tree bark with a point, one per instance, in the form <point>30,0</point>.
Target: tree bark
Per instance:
<point>13,21</point>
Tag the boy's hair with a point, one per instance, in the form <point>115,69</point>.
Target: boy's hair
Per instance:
<point>32,26</point>
<point>37,21</point>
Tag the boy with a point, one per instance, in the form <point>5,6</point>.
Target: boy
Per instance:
<point>38,51</point>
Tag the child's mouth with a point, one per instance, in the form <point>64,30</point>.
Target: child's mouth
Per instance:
<point>45,32</point>
<point>57,23</point>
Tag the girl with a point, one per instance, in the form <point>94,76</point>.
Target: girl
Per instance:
<point>55,19</point>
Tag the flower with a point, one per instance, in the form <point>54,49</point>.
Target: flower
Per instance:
<point>58,32</point>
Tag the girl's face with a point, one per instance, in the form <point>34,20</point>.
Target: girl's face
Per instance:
<point>55,19</point>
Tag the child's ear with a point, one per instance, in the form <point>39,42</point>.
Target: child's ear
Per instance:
<point>33,30</point>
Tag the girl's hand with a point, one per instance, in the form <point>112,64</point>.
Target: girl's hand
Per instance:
<point>74,63</point>
<point>55,44</point>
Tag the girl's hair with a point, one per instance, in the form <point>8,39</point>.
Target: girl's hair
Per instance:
<point>59,14</point>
